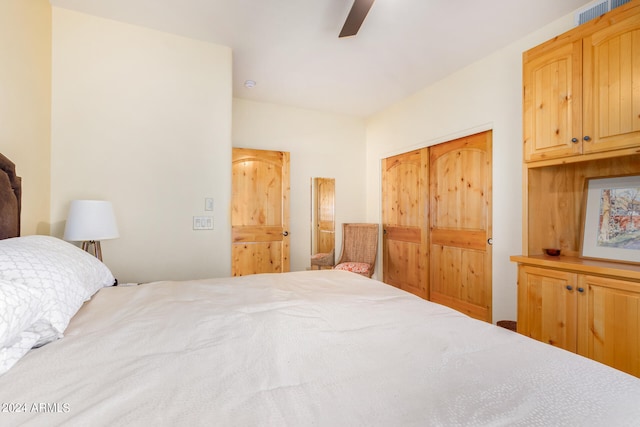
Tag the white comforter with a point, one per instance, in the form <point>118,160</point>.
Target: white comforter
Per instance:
<point>325,348</point>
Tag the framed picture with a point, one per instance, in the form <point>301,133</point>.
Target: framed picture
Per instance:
<point>611,227</point>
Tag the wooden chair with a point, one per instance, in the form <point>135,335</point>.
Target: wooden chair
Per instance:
<point>359,248</point>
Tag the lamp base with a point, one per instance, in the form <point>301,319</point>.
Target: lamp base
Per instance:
<point>97,250</point>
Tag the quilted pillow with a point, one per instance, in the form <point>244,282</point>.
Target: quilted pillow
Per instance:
<point>64,274</point>
<point>20,308</point>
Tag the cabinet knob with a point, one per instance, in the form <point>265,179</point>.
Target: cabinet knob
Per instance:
<point>285,233</point>
<point>569,288</point>
<point>587,138</point>
<point>574,140</point>
<point>580,289</point>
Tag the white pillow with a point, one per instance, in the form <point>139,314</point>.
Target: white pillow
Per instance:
<point>10,354</point>
<point>64,274</point>
<point>20,309</point>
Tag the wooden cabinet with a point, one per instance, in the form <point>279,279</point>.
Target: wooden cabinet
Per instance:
<point>547,306</point>
<point>552,101</point>
<point>611,89</point>
<point>595,316</point>
<point>581,120</point>
<point>581,91</point>
<point>609,322</point>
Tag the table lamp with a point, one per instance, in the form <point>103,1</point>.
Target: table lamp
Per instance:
<point>91,221</point>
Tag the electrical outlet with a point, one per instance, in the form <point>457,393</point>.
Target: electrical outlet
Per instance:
<point>203,223</point>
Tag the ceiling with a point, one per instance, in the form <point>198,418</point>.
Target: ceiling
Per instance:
<point>291,49</point>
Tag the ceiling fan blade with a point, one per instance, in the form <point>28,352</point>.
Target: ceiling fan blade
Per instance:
<point>355,18</point>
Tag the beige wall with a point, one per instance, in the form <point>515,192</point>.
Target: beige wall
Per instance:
<point>485,95</point>
<point>25,103</point>
<point>321,145</point>
<point>143,119</point>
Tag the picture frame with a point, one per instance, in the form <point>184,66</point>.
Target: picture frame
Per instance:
<point>611,225</point>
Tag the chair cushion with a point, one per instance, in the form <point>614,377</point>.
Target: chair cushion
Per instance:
<point>354,267</point>
<point>325,259</point>
<point>319,256</point>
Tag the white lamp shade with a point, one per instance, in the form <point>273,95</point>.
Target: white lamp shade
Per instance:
<point>90,220</point>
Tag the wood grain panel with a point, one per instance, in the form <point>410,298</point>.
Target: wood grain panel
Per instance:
<point>259,211</point>
<point>555,197</point>
<point>476,239</point>
<point>612,329</point>
<point>404,267</point>
<point>251,233</point>
<point>612,86</point>
<point>551,309</point>
<point>552,103</point>
<point>460,224</point>
<point>255,258</point>
<point>404,234</point>
<point>404,215</point>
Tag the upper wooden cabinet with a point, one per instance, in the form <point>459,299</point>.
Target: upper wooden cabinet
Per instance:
<point>582,89</point>
<point>552,102</point>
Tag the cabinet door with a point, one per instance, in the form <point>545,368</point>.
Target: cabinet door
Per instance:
<point>609,325</point>
<point>547,306</point>
<point>612,87</point>
<point>552,104</point>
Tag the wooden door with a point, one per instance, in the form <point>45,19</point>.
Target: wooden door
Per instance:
<point>405,221</point>
<point>609,322</point>
<point>324,215</point>
<point>612,87</point>
<point>259,212</point>
<point>547,306</point>
<point>552,102</point>
<point>460,225</point>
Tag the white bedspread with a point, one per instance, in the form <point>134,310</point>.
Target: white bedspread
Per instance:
<point>318,348</point>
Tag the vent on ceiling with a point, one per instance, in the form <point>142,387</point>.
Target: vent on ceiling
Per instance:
<point>591,11</point>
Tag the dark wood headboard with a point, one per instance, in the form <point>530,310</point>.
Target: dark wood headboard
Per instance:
<point>10,199</point>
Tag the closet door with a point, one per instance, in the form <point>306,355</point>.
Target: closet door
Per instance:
<point>405,221</point>
<point>259,212</point>
<point>460,225</point>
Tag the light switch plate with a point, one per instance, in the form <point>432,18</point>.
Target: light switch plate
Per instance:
<point>208,204</point>
<point>203,223</point>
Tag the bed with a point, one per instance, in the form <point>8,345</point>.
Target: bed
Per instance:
<point>321,348</point>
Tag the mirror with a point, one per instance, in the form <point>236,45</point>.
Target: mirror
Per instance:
<point>323,216</point>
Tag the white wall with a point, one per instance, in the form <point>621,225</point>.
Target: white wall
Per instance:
<point>321,145</point>
<point>25,104</point>
<point>484,95</point>
<point>143,119</point>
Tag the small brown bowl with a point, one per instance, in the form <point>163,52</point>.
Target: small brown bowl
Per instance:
<point>551,251</point>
